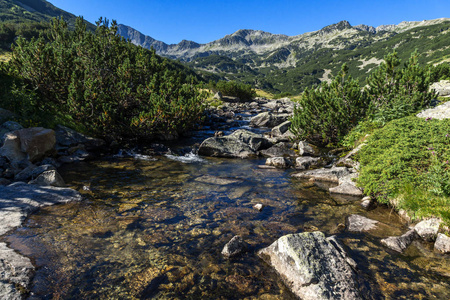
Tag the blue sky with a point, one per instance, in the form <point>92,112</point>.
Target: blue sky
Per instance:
<point>203,21</point>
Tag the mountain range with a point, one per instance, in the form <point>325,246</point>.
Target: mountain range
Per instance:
<point>275,62</point>
<point>281,63</point>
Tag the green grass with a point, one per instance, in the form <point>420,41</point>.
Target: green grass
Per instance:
<point>408,160</point>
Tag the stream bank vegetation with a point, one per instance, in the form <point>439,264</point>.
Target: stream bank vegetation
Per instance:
<point>406,159</point>
<point>97,82</point>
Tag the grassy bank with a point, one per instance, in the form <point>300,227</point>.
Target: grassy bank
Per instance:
<point>406,164</point>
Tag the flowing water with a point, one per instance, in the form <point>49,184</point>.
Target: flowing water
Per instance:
<point>154,227</point>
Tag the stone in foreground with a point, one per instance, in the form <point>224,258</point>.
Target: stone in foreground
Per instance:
<point>400,243</point>
<point>346,189</point>
<point>313,267</point>
<point>234,247</point>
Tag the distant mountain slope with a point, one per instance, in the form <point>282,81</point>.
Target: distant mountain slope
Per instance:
<point>20,11</point>
<point>281,63</point>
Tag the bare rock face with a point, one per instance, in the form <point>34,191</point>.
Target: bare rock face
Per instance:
<point>400,243</point>
<point>234,247</point>
<point>313,267</point>
<point>428,229</point>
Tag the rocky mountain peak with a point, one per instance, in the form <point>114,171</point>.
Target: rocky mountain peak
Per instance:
<point>342,25</point>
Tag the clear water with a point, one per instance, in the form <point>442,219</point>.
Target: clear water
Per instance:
<point>154,227</point>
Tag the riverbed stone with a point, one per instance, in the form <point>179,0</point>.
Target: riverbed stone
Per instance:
<point>49,178</point>
<point>312,266</point>
<point>268,119</point>
<point>279,149</point>
<point>14,268</point>
<point>279,162</point>
<point>357,223</point>
<point>67,137</point>
<point>346,188</point>
<point>234,247</point>
<point>306,149</point>
<point>325,174</point>
<point>240,144</point>
<point>428,229</point>
<point>367,203</point>
<point>442,243</point>
<point>281,129</point>
<point>400,243</point>
<point>305,162</point>
<point>210,179</point>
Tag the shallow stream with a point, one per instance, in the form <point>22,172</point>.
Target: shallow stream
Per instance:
<point>154,228</point>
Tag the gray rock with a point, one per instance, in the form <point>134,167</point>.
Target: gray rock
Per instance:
<point>67,137</point>
<point>41,169</point>
<point>218,96</point>
<point>8,127</point>
<point>216,180</point>
<point>280,149</point>
<point>279,162</point>
<point>400,243</point>
<point>347,160</point>
<point>268,119</point>
<point>241,143</point>
<point>346,188</point>
<point>305,162</point>
<point>428,229</point>
<point>234,247</point>
<point>49,178</point>
<point>442,88</point>
<point>258,206</point>
<point>31,143</point>
<point>25,174</point>
<point>442,243</point>
<point>306,149</point>
<point>367,203</point>
<point>313,267</point>
<point>329,175</point>
<point>17,201</point>
<point>357,223</point>
<point>439,112</point>
<point>281,129</point>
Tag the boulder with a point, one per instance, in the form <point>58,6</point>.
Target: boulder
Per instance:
<point>234,247</point>
<point>281,129</point>
<point>428,229</point>
<point>67,138</point>
<point>357,223</point>
<point>306,149</point>
<point>346,188</point>
<point>367,203</point>
<point>439,112</point>
<point>325,174</point>
<point>25,174</point>
<point>49,178</point>
<point>400,243</point>
<point>277,150</point>
<point>268,119</point>
<point>241,144</point>
<point>8,127</point>
<point>279,162</point>
<point>442,243</point>
<point>218,96</point>
<point>313,267</point>
<point>442,88</point>
<point>14,269</point>
<point>305,162</point>
<point>31,143</point>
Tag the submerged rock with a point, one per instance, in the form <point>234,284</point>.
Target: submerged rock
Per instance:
<point>357,223</point>
<point>234,247</point>
<point>313,267</point>
<point>400,243</point>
